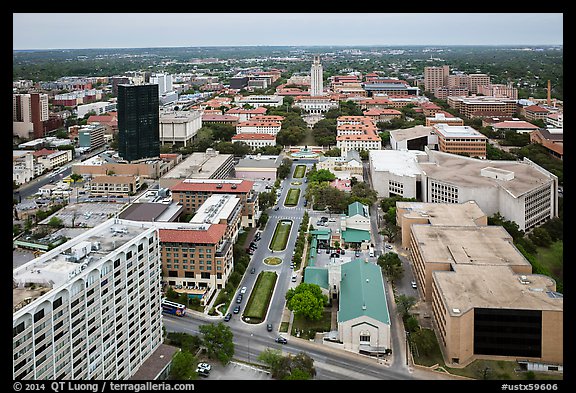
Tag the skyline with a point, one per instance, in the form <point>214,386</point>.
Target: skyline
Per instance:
<point>44,31</point>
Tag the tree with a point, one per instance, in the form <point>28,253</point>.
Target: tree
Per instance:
<point>182,367</point>
<point>391,266</point>
<point>75,177</point>
<point>306,300</point>
<point>321,175</point>
<point>55,222</point>
<point>290,367</point>
<point>217,339</point>
<point>403,304</point>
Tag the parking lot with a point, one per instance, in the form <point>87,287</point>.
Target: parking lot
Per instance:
<point>86,215</point>
<point>236,371</point>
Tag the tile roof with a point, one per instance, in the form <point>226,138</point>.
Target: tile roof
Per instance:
<point>212,235</point>
<point>253,137</point>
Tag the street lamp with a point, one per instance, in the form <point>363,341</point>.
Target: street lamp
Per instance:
<point>407,346</point>
<point>249,338</point>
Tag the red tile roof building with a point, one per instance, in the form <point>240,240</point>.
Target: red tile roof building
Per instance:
<point>192,193</point>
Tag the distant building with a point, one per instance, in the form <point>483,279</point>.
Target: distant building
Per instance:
<point>552,139</point>
<point>114,185</point>
<point>138,122</point>
<point>435,77</point>
<point>255,141</point>
<point>178,128</point>
<point>443,118</point>
<point>316,78</point>
<point>91,136</point>
<point>208,165</point>
<point>258,101</point>
<point>257,166</point>
<point>29,111</point>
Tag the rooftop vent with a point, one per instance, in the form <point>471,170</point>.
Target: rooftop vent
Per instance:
<point>456,310</point>
<point>219,185</point>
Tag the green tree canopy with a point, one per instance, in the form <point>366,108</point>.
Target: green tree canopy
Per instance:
<point>182,367</point>
<point>217,339</point>
<point>391,266</point>
<point>306,300</point>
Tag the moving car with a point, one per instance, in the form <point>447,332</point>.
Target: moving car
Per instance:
<point>253,270</point>
<point>281,340</point>
<point>276,208</point>
<point>243,290</point>
<point>269,327</point>
<point>236,310</point>
<point>413,284</point>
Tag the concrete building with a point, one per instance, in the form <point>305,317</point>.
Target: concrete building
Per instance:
<point>534,112</point>
<point>105,164</point>
<point>29,112</point>
<point>50,159</point>
<point>114,185</point>
<point>498,90</point>
<point>192,193</point>
<point>460,140</point>
<point>246,114</point>
<point>316,104</point>
<point>209,165</point>
<point>91,136</point>
<point>179,127</point>
<point>89,308</point>
<point>316,78</point>
<point>520,191</point>
<point>258,101</point>
<point>436,214</point>
<point>254,167</point>
<point>478,283</point>
<point>443,92</point>
<point>390,88</point>
<point>22,166</point>
<point>477,80</point>
<point>414,138</point>
<point>520,126</point>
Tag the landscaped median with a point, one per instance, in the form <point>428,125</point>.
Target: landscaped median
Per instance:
<point>292,197</point>
<point>257,305</point>
<point>299,171</point>
<point>281,234</point>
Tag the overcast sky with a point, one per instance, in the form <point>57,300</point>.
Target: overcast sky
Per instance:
<point>147,30</point>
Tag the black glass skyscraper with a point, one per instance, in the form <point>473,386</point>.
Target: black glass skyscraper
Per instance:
<point>138,122</point>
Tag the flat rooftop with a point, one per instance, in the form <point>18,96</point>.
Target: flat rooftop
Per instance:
<point>411,133</point>
<point>481,245</point>
<point>198,165</point>
<point>217,207</point>
<point>465,171</point>
<point>496,287</point>
<point>398,162</point>
<point>58,266</point>
<point>448,131</point>
<point>464,214</point>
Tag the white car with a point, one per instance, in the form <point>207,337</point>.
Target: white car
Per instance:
<point>205,366</point>
<point>413,284</point>
<point>243,290</point>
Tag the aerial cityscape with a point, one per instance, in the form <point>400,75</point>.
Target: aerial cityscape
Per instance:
<point>290,207</point>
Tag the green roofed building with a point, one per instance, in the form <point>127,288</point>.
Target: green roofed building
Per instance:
<point>355,227</point>
<point>363,318</point>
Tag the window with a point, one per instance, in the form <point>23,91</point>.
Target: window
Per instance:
<point>364,337</point>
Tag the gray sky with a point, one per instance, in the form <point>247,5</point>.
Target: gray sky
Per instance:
<point>141,30</point>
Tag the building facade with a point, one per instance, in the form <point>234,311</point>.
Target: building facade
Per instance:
<point>138,122</point>
<point>29,111</point>
<point>316,78</point>
<point>179,127</point>
<point>89,308</point>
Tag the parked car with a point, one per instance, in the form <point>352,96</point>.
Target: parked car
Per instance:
<point>413,284</point>
<point>236,310</point>
<point>239,298</point>
<point>253,270</point>
<point>281,340</point>
<point>243,290</point>
<point>269,327</point>
<point>228,317</point>
<point>205,366</point>
<point>294,278</point>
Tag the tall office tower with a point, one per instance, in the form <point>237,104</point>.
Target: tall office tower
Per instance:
<point>29,111</point>
<point>316,78</point>
<point>91,307</point>
<point>138,122</point>
<point>435,77</point>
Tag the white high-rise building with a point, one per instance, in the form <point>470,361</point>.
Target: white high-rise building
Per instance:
<point>164,82</point>
<point>91,307</point>
<point>316,78</point>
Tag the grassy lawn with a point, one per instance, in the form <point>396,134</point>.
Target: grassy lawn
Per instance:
<point>280,237</point>
<point>260,296</point>
<point>299,171</point>
<point>426,352</point>
<point>308,328</point>
<point>551,258</point>
<point>292,197</point>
